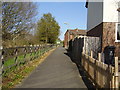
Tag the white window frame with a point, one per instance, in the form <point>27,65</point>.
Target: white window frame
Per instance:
<point>116,33</point>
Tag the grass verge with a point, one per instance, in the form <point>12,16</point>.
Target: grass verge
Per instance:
<point>15,77</point>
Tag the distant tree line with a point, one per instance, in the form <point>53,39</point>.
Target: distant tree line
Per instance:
<point>18,20</point>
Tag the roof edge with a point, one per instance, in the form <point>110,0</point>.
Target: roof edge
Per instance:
<point>86,5</point>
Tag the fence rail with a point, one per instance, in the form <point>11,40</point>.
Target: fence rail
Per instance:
<point>103,75</point>
<point>16,56</point>
<point>85,51</point>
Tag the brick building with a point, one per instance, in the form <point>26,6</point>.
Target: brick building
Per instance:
<point>104,22</point>
<point>70,34</point>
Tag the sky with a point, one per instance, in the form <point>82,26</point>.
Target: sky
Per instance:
<point>72,13</point>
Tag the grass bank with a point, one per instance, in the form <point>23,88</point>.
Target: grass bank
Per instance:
<point>11,79</point>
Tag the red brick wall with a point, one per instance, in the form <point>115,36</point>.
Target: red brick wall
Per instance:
<point>106,31</point>
<point>109,37</point>
<point>66,39</point>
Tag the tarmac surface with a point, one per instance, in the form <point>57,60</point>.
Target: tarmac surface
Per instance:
<point>57,71</point>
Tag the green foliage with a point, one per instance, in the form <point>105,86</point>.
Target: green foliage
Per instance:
<point>48,29</point>
<point>9,62</point>
<point>14,75</point>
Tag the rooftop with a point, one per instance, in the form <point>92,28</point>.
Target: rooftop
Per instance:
<point>76,31</point>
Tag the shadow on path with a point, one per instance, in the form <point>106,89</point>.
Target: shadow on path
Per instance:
<point>82,72</point>
<point>57,71</point>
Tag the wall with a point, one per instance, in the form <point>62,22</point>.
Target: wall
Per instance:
<point>106,29</point>
<point>99,12</point>
<point>110,13</point>
<point>109,37</point>
<point>66,40</point>
<point>89,43</point>
<point>96,31</point>
<point>95,14</point>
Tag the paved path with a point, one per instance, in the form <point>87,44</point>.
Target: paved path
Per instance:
<point>57,71</point>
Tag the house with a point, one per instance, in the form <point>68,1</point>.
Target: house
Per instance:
<point>70,34</point>
<point>58,41</point>
<point>103,21</point>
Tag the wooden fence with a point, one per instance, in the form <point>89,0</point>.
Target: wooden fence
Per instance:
<point>92,43</point>
<point>84,51</point>
<point>16,56</point>
<point>103,75</point>
<point>89,43</point>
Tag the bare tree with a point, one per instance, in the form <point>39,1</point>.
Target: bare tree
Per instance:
<point>17,17</point>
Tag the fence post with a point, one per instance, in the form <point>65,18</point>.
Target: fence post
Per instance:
<point>98,72</point>
<point>31,51</point>
<point>91,54</point>
<point>99,57</point>
<point>83,50</point>
<point>1,65</point>
<point>116,73</point>
<point>86,52</point>
<point>25,51</point>
<point>16,53</point>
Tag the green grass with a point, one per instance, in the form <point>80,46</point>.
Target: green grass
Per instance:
<point>16,77</point>
<point>9,62</point>
<point>21,59</point>
<point>28,56</point>
<point>15,74</point>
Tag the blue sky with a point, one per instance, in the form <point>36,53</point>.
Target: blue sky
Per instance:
<point>73,13</point>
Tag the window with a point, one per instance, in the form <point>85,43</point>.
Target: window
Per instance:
<point>118,32</point>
